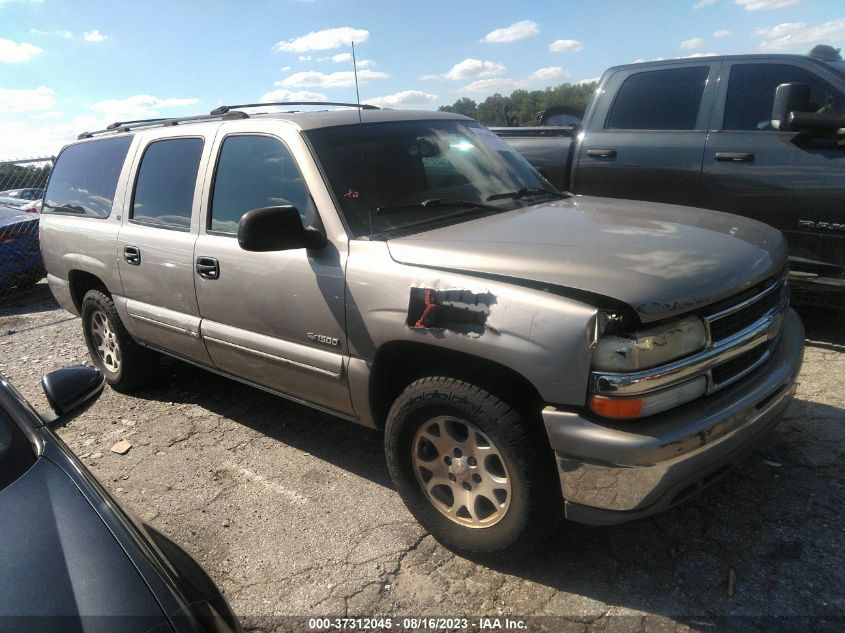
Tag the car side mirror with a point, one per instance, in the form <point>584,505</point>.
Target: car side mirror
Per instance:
<point>72,389</point>
<point>277,229</point>
<point>789,99</point>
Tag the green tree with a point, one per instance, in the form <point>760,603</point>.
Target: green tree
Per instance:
<point>522,106</point>
<point>464,105</point>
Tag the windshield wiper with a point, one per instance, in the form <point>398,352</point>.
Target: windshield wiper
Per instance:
<point>529,191</point>
<point>437,202</point>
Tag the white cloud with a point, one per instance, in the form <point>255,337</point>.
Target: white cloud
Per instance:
<point>694,42</point>
<point>65,34</point>
<point>721,33</point>
<point>23,139</point>
<point>566,46</point>
<point>799,37</point>
<point>403,99</point>
<point>137,107</point>
<point>693,55</point>
<point>2,2</point>
<point>513,33</point>
<point>25,100</point>
<point>592,80</point>
<point>324,40</point>
<point>366,63</point>
<point>767,5</point>
<point>13,52</point>
<point>314,79</point>
<point>703,3</point>
<point>491,85</point>
<point>292,95</point>
<point>94,36</point>
<point>547,73</point>
<point>471,68</point>
<point>286,68</point>
<point>304,58</point>
<point>341,57</point>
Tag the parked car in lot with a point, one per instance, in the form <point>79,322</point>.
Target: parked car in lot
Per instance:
<point>20,254</point>
<point>527,353</point>
<point>762,136</point>
<point>72,558</point>
<point>27,193</point>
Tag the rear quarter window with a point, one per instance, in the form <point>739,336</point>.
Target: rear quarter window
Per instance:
<point>85,177</point>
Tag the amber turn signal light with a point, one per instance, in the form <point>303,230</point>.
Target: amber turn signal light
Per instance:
<point>618,408</point>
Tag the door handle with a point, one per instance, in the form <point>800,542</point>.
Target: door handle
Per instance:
<point>132,255</point>
<point>735,157</point>
<point>601,153</point>
<point>208,268</point>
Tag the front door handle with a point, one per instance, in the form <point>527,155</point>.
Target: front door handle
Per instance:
<point>208,268</point>
<point>132,255</point>
<point>735,157</point>
<point>601,153</point>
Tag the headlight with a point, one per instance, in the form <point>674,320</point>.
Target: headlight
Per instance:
<point>650,348</point>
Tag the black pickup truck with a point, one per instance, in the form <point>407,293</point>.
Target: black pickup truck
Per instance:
<point>757,135</point>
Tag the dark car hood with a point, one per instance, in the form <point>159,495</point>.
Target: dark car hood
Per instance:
<point>61,563</point>
<point>659,259</point>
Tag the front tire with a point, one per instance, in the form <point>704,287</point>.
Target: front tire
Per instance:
<point>125,364</point>
<point>471,469</point>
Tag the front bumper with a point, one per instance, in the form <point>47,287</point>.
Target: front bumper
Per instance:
<point>612,472</point>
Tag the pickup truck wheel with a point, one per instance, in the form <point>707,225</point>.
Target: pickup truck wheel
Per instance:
<point>470,470</point>
<point>125,364</point>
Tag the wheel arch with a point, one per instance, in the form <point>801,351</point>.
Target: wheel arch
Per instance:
<point>398,363</point>
<point>80,282</point>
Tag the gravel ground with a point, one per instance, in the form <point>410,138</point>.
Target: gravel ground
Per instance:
<point>292,512</point>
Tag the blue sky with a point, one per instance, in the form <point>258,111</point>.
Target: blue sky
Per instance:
<point>68,65</point>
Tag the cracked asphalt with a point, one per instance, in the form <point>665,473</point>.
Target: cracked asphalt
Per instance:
<point>292,512</point>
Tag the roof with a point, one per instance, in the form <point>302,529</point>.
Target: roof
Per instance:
<point>334,118</point>
<point>304,120</point>
<point>719,58</point>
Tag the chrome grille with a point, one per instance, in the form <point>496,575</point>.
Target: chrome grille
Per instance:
<point>726,325</point>
<point>731,320</point>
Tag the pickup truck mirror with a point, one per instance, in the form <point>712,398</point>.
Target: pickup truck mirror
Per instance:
<point>277,229</point>
<point>789,99</point>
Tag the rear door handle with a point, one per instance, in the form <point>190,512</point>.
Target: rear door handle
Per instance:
<point>132,255</point>
<point>735,157</point>
<point>208,268</point>
<point>601,153</point>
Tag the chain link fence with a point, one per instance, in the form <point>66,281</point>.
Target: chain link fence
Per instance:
<point>22,184</point>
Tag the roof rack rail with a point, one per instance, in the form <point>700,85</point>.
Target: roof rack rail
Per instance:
<point>224,108</point>
<point>126,126</point>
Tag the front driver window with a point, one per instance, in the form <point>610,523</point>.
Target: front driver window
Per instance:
<point>255,172</point>
<point>751,94</point>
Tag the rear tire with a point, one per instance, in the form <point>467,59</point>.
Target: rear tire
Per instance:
<point>125,364</point>
<point>471,469</point>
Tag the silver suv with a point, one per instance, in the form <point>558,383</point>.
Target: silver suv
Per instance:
<point>528,354</point>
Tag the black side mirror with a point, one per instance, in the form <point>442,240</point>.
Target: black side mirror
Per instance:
<point>72,389</point>
<point>277,229</point>
<point>789,98</point>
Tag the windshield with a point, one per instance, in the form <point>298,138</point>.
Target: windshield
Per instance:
<point>419,172</point>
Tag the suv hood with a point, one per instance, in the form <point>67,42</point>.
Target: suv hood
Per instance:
<point>660,259</point>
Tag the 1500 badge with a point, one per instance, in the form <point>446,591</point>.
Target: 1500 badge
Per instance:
<point>822,226</point>
<point>322,338</point>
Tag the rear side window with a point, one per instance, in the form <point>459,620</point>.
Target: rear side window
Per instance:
<point>751,94</point>
<point>659,100</point>
<point>164,189</point>
<point>255,172</point>
<point>84,179</point>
